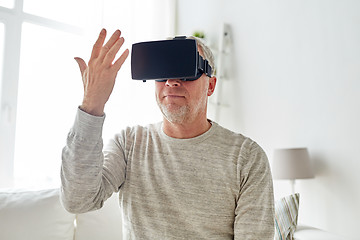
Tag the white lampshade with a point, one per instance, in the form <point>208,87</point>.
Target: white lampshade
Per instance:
<point>292,163</point>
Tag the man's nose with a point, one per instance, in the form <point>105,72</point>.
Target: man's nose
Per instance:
<point>173,82</point>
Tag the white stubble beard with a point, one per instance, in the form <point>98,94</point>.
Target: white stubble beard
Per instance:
<point>178,114</point>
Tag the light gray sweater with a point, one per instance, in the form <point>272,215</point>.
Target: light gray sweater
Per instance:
<point>214,186</point>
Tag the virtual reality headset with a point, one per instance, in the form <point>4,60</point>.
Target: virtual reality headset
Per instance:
<point>168,59</point>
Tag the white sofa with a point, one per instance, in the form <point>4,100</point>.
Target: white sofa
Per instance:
<point>39,215</point>
<point>304,232</point>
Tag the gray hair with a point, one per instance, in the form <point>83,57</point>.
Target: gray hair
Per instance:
<point>208,55</point>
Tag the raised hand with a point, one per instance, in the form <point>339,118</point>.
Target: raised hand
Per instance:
<point>100,73</point>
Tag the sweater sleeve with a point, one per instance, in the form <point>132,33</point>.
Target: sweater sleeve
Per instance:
<point>254,213</point>
<point>87,177</point>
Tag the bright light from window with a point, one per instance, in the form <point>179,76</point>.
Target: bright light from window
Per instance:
<point>78,12</point>
<point>2,35</point>
<point>48,93</point>
<point>50,87</point>
<point>7,3</point>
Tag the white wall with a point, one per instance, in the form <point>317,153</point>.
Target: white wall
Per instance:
<point>295,82</point>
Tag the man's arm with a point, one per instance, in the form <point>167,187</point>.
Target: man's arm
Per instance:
<point>82,187</point>
<point>254,214</point>
<point>87,179</point>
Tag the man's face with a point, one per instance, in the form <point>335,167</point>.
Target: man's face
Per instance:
<point>181,101</point>
<point>184,101</point>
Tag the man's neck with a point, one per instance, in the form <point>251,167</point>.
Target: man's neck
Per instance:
<point>185,130</point>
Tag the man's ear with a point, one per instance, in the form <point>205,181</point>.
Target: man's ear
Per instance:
<point>212,84</point>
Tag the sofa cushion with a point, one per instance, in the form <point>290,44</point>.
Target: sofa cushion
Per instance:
<point>105,223</point>
<point>286,215</point>
<point>304,232</point>
<point>34,215</point>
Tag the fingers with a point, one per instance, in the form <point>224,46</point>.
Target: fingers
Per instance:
<point>98,44</point>
<point>107,53</point>
<point>109,58</point>
<point>119,62</point>
<point>100,73</point>
<point>113,39</point>
<point>82,65</point>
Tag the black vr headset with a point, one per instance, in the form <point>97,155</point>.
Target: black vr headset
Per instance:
<point>168,59</point>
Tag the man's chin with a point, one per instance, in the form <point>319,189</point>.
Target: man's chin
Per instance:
<point>174,113</point>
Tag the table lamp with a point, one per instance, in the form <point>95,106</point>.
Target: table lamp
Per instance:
<point>292,164</point>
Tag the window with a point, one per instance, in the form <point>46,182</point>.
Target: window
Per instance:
<point>42,85</point>
<point>48,92</point>
<point>76,13</point>
<point>1,51</point>
<point>7,3</point>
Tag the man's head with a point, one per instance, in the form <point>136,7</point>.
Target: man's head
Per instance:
<point>184,102</point>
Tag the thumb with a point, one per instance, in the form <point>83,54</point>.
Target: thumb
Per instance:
<point>82,65</point>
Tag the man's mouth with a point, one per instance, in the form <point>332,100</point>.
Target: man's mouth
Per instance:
<point>174,96</point>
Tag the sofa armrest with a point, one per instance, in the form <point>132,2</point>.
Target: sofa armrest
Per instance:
<point>39,215</point>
